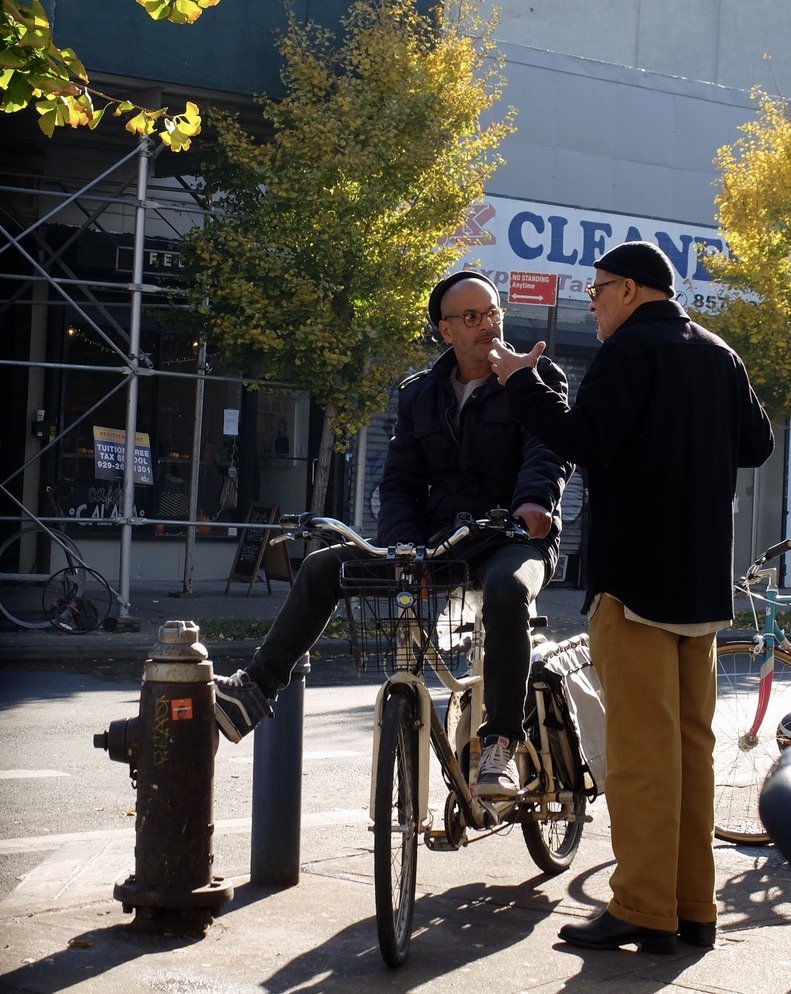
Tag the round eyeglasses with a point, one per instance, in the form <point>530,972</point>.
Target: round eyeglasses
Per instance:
<point>472,319</point>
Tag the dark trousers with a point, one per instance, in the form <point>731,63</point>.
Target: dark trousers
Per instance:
<point>510,576</point>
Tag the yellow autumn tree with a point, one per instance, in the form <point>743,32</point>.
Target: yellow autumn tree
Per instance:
<point>754,213</point>
<point>33,70</point>
<point>331,233</point>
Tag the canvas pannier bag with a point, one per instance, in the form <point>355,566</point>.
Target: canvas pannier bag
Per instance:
<point>568,665</point>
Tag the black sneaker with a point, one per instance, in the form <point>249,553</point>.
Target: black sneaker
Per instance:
<point>239,705</point>
<point>498,775</point>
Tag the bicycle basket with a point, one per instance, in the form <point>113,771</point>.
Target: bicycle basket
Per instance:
<point>382,595</point>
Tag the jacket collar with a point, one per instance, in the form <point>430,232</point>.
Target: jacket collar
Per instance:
<point>656,310</point>
<point>444,366</point>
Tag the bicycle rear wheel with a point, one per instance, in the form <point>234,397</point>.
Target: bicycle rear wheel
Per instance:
<point>741,760</point>
<point>76,600</point>
<point>553,836</point>
<point>27,559</point>
<point>396,829</point>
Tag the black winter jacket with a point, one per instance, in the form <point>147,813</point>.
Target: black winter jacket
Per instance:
<point>662,420</point>
<point>434,469</point>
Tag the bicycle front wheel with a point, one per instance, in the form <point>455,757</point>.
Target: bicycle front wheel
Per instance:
<point>396,829</point>
<point>742,759</point>
<point>27,559</point>
<point>76,600</point>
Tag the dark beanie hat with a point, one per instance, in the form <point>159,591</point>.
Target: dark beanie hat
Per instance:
<point>439,291</point>
<point>642,262</point>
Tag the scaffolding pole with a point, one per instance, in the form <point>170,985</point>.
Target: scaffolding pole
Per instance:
<point>143,156</point>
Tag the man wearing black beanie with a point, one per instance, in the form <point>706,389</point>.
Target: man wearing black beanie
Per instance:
<point>456,447</point>
<point>661,422</point>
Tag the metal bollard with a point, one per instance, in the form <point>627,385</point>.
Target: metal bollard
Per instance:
<point>170,748</point>
<point>277,787</point>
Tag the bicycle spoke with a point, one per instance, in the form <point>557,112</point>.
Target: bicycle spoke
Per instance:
<point>742,760</point>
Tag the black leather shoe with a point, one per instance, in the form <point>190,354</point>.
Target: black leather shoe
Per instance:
<point>607,932</point>
<point>697,933</point>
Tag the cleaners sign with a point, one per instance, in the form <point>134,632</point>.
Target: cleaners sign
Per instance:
<point>514,242</point>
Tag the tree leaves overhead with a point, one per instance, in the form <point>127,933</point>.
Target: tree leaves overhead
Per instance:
<point>34,70</point>
<point>318,269</point>
<point>754,211</point>
<point>330,234</point>
<point>177,11</point>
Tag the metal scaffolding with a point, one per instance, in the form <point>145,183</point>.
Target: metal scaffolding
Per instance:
<point>92,199</point>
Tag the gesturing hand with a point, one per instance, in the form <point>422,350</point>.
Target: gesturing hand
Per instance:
<point>504,361</point>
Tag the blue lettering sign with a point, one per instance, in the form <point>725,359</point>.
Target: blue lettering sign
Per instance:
<point>516,239</point>
<point>557,225</point>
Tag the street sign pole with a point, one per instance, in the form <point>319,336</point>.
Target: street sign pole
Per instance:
<point>552,329</point>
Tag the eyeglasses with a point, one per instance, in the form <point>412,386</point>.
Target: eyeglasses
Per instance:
<point>593,289</point>
<point>472,319</point>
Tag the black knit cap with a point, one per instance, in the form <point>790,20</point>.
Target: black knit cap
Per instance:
<point>642,262</point>
<point>439,291</point>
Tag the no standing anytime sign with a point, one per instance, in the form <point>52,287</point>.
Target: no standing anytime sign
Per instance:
<point>540,289</point>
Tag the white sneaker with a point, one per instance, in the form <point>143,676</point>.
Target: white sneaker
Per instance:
<point>498,774</point>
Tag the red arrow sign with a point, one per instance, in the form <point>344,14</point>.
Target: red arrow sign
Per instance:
<point>540,289</point>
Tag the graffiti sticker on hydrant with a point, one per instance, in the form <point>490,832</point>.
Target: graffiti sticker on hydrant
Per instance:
<point>181,709</point>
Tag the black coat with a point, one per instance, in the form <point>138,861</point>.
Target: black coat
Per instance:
<point>434,469</point>
<point>662,420</point>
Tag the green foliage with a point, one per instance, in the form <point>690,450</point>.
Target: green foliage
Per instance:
<point>754,212</point>
<point>177,11</point>
<point>34,70</point>
<point>330,235</point>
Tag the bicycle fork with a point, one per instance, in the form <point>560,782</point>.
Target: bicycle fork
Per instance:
<point>429,730</point>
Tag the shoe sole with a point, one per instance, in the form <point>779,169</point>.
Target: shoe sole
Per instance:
<point>653,945</point>
<point>229,729</point>
<point>491,792</point>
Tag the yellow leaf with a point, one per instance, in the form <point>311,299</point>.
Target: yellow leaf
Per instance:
<point>137,124</point>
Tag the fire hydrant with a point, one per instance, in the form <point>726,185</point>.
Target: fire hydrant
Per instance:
<point>170,747</point>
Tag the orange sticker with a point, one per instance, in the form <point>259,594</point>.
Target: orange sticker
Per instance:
<point>181,709</point>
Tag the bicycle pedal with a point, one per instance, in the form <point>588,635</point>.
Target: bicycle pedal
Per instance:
<point>438,841</point>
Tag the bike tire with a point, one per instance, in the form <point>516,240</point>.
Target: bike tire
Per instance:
<point>76,600</point>
<point>32,556</point>
<point>741,764</point>
<point>553,841</point>
<point>396,828</point>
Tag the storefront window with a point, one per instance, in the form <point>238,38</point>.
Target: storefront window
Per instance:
<point>165,424</point>
<point>282,447</point>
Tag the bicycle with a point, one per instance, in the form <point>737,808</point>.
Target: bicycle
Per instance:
<point>410,611</point>
<point>753,696</point>
<point>43,573</point>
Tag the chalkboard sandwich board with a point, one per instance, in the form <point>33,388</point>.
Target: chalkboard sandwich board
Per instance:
<point>255,554</point>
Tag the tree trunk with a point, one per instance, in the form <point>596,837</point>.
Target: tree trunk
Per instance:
<point>324,461</point>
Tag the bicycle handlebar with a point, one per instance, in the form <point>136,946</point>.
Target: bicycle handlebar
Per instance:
<point>772,552</point>
<point>306,525</point>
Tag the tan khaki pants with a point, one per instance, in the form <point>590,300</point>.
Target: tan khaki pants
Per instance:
<point>659,693</point>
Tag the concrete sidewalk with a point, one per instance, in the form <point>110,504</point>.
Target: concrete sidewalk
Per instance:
<point>153,604</point>
<point>485,920</point>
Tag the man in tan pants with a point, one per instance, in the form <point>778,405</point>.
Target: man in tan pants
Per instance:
<point>662,420</point>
